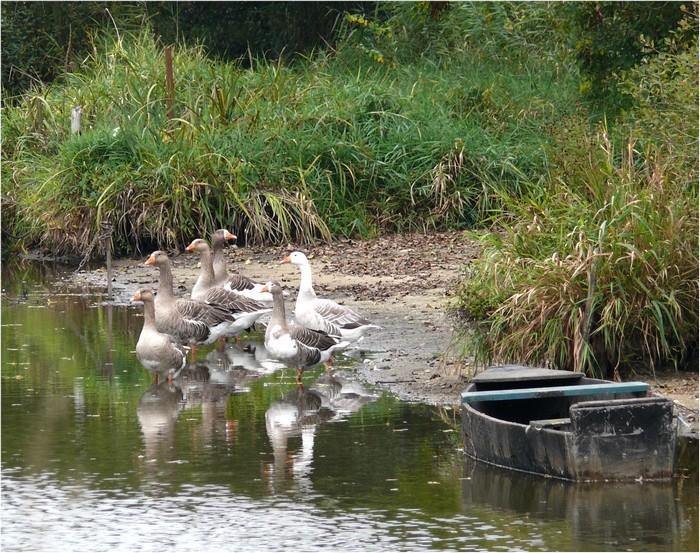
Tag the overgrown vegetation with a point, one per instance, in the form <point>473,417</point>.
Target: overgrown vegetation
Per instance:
<point>427,115</point>
<point>347,144</point>
<point>597,269</point>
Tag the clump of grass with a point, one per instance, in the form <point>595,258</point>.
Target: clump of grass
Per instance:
<point>594,273</point>
<point>155,179</point>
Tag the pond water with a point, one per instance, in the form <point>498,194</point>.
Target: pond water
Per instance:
<point>234,454</point>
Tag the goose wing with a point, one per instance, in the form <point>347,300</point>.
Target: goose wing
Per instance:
<point>339,315</point>
<point>200,313</point>
<point>313,338</point>
<point>239,283</point>
<point>236,303</point>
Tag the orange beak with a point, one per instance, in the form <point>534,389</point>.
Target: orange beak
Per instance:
<point>229,236</point>
<point>286,260</point>
<point>151,260</point>
<point>190,247</point>
<point>136,296</point>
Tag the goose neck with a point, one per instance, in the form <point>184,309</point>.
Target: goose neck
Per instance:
<point>306,285</point>
<point>165,281</point>
<point>279,316</point>
<point>149,314</point>
<point>218,259</point>
<point>206,275</point>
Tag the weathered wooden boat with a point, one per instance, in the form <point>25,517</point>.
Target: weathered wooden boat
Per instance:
<point>564,425</point>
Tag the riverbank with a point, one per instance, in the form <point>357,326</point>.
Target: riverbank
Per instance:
<point>402,283</point>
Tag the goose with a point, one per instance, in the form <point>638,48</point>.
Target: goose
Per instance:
<point>245,310</point>
<point>156,351</point>
<point>294,344</point>
<point>324,314</point>
<point>236,283</point>
<point>188,321</point>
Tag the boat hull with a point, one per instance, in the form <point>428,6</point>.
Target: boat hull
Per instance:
<point>622,437</point>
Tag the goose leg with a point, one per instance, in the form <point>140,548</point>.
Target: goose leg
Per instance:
<point>301,370</point>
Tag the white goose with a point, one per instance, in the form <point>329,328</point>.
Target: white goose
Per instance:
<point>324,314</point>
<point>296,345</point>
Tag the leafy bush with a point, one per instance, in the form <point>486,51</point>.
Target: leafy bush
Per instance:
<point>594,274</point>
<point>609,38</point>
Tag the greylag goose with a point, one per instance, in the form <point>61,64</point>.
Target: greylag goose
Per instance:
<point>188,321</point>
<point>156,351</point>
<point>236,283</point>
<point>324,314</point>
<point>245,310</point>
<point>296,345</point>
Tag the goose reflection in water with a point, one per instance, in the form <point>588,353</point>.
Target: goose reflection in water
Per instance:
<point>251,357</point>
<point>157,412</point>
<point>299,413</point>
<point>205,384</point>
<point>264,362</point>
<point>208,384</point>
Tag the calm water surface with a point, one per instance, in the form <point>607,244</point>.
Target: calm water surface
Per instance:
<point>235,455</point>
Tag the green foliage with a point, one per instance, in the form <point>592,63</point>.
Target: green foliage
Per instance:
<point>422,116</point>
<point>609,37</point>
<point>595,268</point>
<point>663,94</point>
<point>596,271</point>
<point>262,29</point>
<point>43,40</point>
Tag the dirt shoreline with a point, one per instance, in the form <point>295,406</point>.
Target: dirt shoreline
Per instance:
<point>400,282</point>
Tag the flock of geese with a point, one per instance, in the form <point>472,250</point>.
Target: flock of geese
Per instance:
<point>223,305</point>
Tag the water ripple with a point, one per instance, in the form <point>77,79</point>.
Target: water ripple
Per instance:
<point>41,515</point>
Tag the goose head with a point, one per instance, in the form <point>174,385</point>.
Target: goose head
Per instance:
<point>222,235</point>
<point>296,258</point>
<point>157,258</point>
<point>143,295</point>
<point>269,286</point>
<point>198,245</point>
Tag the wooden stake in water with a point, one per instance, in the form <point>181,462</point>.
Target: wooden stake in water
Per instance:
<point>107,233</point>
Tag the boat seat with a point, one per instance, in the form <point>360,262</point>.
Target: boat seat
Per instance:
<point>603,388</point>
<point>550,423</point>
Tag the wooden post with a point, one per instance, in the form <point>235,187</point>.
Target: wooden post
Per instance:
<point>169,82</point>
<point>38,115</point>
<point>75,115</point>
<point>107,228</point>
<point>592,285</point>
